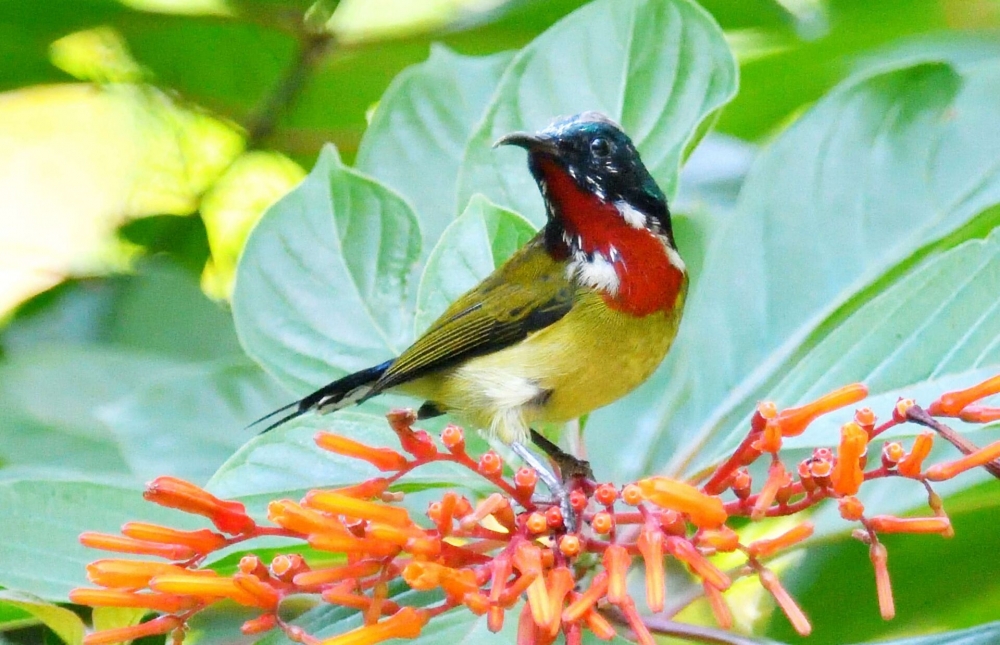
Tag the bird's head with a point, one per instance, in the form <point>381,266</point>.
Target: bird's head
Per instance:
<point>588,158</point>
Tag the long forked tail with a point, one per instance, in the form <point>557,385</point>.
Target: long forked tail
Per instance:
<point>334,396</point>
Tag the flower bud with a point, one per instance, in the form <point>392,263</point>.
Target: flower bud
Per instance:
<point>120,544</point>
<point>632,495</point>
<point>229,517</point>
<point>337,504</point>
<point>879,558</point>
<point>794,421</point>
<point>794,613</point>
<point>777,477</point>
<point>570,546</point>
<point>525,480</point>
<point>606,494</point>
<point>490,464</point>
<point>602,523</point>
<point>155,627</point>
<point>847,475</point>
<point>981,457</point>
<point>650,545</point>
<point>890,524</point>
<point>536,523</point>
<point>911,464</point>
<point>385,459</point>
<point>851,508</point>
<point>554,517</point>
<point>952,403</point>
<point>453,439</point>
<point>791,537</point>
<point>704,510</point>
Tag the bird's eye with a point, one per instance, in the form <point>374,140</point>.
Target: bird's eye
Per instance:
<point>600,147</point>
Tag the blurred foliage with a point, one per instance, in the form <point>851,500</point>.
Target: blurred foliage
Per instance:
<point>850,182</point>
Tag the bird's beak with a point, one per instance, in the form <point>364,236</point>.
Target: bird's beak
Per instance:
<point>530,142</point>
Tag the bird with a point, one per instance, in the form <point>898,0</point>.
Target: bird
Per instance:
<point>575,319</point>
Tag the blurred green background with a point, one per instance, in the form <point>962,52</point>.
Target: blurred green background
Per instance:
<point>140,140</point>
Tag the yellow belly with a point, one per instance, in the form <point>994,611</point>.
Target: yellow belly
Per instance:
<point>592,356</point>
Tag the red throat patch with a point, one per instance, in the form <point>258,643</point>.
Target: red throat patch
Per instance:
<point>648,280</point>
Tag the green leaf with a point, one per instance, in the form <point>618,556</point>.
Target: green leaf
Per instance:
<point>418,134</point>
<point>323,286</point>
<point>472,246</point>
<point>930,577</point>
<point>116,617</point>
<point>192,420</point>
<point>286,461</point>
<point>43,519</point>
<point>852,197</point>
<point>982,635</point>
<point>661,68</point>
<point>49,401</point>
<point>67,625</point>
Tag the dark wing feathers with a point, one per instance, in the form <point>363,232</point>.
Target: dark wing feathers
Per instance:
<point>528,293</point>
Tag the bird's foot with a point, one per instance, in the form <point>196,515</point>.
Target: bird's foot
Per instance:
<point>569,466</point>
<point>571,469</point>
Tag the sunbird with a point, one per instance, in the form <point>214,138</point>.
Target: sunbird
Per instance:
<point>572,321</point>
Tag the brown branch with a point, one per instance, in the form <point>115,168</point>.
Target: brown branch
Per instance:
<point>918,415</point>
<point>312,48</point>
<point>685,631</point>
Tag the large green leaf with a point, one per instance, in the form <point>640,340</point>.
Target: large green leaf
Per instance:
<point>418,133</point>
<point>324,284</point>
<point>286,461</point>
<point>930,578</point>
<point>850,198</point>
<point>661,68</point>
<point>42,520</point>
<point>62,621</point>
<point>191,421</point>
<point>472,246</point>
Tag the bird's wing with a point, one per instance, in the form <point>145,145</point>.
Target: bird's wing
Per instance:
<point>529,292</point>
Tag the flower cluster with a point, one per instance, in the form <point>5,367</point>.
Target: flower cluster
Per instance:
<point>488,555</point>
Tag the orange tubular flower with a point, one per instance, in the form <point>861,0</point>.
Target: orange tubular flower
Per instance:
<point>777,478</point>
<point>120,544</point>
<point>847,475</point>
<point>723,539</point>
<point>155,627</point>
<point>912,463</point>
<point>330,502</point>
<point>295,517</point>
<point>634,620</point>
<point>681,549</point>
<point>979,414</point>
<point>259,625</point>
<point>720,608</point>
<point>952,403</point>
<point>879,557</point>
<point>792,610</point>
<point>228,516</point>
<point>385,459</point>
<point>528,560</point>
<point>794,421</point>
<point>131,574</point>
<point>488,506</point>
<point>367,489</point>
<point>981,457</point>
<point>202,540</point>
<point>165,602</point>
<point>405,623</point>
<point>318,577</point>
<point>352,545</point>
<point>704,510</point>
<point>266,595</point>
<point>204,587</point>
<point>650,544</point>
<point>424,576</point>
<point>890,524</point>
<point>766,548</point>
<point>617,562</point>
<point>561,582</point>
<point>585,602</point>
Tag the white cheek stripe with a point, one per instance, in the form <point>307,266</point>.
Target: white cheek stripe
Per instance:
<point>598,273</point>
<point>632,216</point>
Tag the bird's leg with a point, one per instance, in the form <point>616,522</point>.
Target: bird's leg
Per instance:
<point>569,465</point>
<point>549,478</point>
